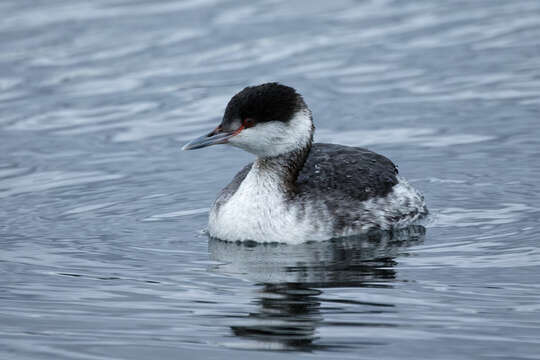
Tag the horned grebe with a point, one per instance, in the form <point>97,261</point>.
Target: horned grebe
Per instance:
<point>295,190</point>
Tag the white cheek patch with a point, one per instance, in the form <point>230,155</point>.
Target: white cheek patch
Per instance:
<point>275,137</point>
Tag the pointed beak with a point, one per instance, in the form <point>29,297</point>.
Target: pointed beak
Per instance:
<point>216,136</point>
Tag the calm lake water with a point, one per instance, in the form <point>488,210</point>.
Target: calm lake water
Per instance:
<point>103,253</point>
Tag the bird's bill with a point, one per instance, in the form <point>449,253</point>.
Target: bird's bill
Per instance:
<point>216,136</point>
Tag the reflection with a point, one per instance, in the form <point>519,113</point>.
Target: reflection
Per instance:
<point>287,319</point>
<point>291,276</point>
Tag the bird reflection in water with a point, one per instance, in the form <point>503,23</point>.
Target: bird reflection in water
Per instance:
<point>292,277</point>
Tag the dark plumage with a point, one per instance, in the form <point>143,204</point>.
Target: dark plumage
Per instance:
<point>354,172</point>
<point>262,103</point>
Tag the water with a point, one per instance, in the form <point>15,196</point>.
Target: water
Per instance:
<point>101,217</point>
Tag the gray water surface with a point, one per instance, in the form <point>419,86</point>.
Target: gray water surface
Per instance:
<point>102,248</point>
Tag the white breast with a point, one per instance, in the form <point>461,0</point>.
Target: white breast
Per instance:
<point>259,211</point>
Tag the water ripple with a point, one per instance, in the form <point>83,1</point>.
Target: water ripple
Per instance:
<point>47,180</point>
<point>413,136</point>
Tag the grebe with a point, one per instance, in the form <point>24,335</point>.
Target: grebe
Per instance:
<point>296,190</point>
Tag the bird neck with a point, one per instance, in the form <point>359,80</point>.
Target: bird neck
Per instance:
<point>284,169</point>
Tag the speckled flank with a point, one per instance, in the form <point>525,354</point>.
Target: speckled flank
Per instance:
<point>256,211</point>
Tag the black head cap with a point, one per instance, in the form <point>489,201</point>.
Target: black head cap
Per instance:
<point>262,103</point>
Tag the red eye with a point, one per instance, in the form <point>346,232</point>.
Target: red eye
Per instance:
<point>248,122</point>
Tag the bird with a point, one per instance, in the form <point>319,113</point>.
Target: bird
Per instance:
<point>297,190</point>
